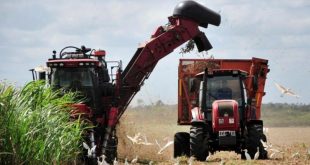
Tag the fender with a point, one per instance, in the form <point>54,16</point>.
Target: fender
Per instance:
<point>197,115</point>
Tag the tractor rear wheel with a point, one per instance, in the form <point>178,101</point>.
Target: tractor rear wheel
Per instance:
<point>181,144</point>
<point>253,141</point>
<point>198,145</point>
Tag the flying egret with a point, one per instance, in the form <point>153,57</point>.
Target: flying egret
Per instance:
<point>145,142</point>
<point>265,145</point>
<point>134,139</point>
<point>286,91</point>
<point>161,149</point>
<point>90,151</point>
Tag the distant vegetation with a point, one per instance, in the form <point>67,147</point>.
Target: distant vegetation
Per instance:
<point>286,115</point>
<point>273,114</point>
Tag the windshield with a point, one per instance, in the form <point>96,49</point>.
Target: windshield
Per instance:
<point>223,87</point>
<point>72,77</point>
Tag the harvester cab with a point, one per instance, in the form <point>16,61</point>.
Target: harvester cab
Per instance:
<point>82,70</point>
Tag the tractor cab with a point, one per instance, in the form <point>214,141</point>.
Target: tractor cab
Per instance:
<point>222,101</point>
<point>216,85</point>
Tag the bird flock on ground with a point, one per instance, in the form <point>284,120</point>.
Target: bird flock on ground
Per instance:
<point>138,139</point>
<point>142,140</point>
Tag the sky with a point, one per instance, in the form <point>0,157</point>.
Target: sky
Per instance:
<point>275,30</point>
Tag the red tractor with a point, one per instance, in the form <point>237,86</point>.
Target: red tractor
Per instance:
<point>221,100</point>
<point>108,95</point>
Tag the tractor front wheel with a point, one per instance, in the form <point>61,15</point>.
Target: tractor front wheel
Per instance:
<point>198,146</point>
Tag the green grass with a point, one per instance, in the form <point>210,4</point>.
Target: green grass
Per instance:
<point>35,125</point>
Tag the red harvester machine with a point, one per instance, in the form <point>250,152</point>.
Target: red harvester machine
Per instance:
<point>108,96</point>
<point>221,100</point>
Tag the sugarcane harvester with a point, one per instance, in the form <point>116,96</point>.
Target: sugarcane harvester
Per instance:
<point>107,97</point>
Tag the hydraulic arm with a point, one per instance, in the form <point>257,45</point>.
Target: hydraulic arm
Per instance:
<point>182,27</point>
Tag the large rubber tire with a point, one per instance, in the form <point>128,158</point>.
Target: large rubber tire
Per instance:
<point>198,145</point>
<point>254,135</point>
<point>181,144</point>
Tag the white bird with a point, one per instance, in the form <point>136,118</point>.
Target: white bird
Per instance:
<point>286,91</point>
<point>115,162</point>
<point>151,162</point>
<point>90,151</point>
<point>265,145</point>
<point>135,160</point>
<point>161,149</point>
<point>126,162</point>
<point>145,142</point>
<point>208,157</point>
<point>275,152</point>
<point>256,154</point>
<point>134,139</point>
<point>102,162</point>
<point>246,154</point>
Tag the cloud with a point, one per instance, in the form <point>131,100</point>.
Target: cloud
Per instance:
<point>278,31</point>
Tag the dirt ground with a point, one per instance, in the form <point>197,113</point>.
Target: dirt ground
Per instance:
<point>290,145</point>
